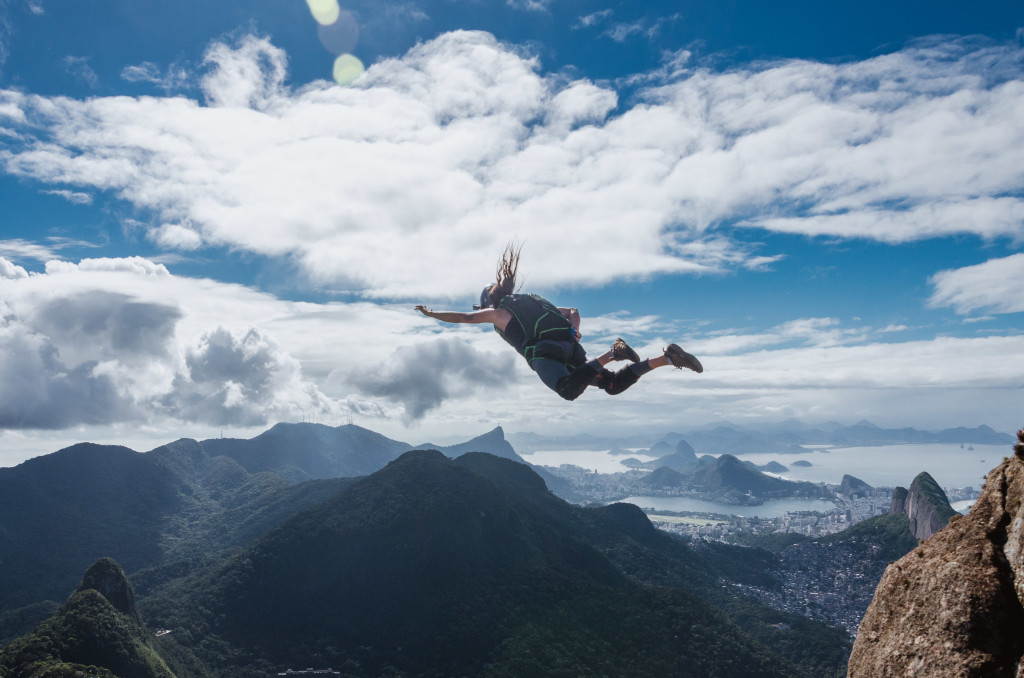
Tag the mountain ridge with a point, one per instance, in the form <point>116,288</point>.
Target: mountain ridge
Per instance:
<point>471,567</point>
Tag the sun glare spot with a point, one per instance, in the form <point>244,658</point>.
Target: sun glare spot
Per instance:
<point>347,68</point>
<point>324,11</point>
<point>341,36</point>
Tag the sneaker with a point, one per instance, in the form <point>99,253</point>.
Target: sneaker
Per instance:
<point>680,359</point>
<point>622,351</point>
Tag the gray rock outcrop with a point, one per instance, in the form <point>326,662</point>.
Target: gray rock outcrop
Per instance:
<point>953,606</point>
<point>927,506</point>
<point>899,500</point>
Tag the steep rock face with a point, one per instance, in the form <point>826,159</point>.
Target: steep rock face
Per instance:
<point>927,506</point>
<point>899,500</point>
<point>953,606</point>
<point>107,577</point>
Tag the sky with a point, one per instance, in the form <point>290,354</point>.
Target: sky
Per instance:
<point>219,216</point>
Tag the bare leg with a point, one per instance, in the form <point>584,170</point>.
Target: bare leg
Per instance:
<point>605,358</point>
<point>660,361</point>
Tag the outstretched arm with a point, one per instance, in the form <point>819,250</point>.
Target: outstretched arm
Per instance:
<point>485,315</point>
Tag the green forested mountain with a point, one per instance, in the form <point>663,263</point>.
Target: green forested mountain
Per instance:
<point>96,633</point>
<point>435,567</point>
<point>62,511</point>
<point>429,566</point>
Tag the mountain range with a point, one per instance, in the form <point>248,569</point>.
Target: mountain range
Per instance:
<point>429,566</point>
<point>258,555</point>
<point>61,511</point>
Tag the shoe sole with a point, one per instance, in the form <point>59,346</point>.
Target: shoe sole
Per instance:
<point>630,354</point>
<point>680,359</point>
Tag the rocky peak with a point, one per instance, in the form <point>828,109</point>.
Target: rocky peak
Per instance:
<point>107,577</point>
<point>853,487</point>
<point>925,504</point>
<point>954,606</point>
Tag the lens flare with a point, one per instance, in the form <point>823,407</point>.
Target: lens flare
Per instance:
<point>324,11</point>
<point>347,68</point>
<point>341,36</point>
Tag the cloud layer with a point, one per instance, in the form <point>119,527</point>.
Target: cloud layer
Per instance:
<point>462,144</point>
<point>76,348</point>
<point>108,341</point>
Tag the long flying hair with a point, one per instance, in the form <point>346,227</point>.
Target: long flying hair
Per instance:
<point>508,267</point>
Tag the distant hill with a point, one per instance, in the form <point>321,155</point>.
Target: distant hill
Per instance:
<point>852,487</point>
<point>438,567</point>
<point>729,474</point>
<point>301,452</point>
<point>770,467</point>
<point>682,459</point>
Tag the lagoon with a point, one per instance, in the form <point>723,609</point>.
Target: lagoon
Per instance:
<point>770,509</point>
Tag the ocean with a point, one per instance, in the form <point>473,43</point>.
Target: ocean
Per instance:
<point>883,466</point>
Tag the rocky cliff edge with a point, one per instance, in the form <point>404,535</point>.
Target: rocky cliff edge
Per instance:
<point>953,606</point>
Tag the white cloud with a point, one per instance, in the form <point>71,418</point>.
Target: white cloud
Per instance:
<point>648,27</point>
<point>175,77</point>
<point>126,342</point>
<point>74,197</point>
<point>176,237</point>
<point>425,376</point>
<point>996,286</point>
<point>110,341</point>
<point>592,19</point>
<point>249,75</point>
<point>24,249</point>
<point>10,270</point>
<point>446,153</point>
<point>529,5</point>
<point>79,68</point>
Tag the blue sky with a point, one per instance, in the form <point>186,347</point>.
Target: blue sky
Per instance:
<point>202,232</point>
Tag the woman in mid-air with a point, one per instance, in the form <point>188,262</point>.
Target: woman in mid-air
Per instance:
<point>548,337</point>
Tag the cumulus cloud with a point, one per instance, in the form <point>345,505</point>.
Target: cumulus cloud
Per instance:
<point>996,286</point>
<point>424,376</point>
<point>242,380</point>
<point>10,270</point>
<point>122,340</point>
<point>462,144</point>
